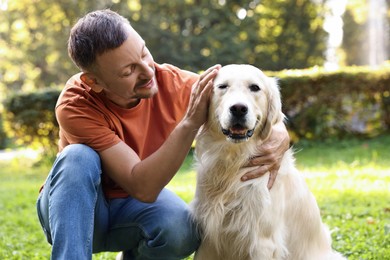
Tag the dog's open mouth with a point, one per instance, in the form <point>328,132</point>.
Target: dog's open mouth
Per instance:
<point>237,133</point>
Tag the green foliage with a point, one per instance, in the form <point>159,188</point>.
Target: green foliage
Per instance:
<point>33,42</point>
<point>192,34</point>
<point>351,101</point>
<point>356,45</point>
<point>30,119</point>
<point>273,35</point>
<point>3,136</point>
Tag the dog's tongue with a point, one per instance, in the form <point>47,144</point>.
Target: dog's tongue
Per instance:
<point>237,130</point>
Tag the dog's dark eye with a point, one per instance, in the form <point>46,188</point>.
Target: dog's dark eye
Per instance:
<point>222,86</point>
<point>254,88</point>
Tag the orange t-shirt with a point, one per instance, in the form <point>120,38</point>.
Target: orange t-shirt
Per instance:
<point>87,117</point>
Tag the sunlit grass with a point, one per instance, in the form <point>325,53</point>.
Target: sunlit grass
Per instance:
<point>350,179</point>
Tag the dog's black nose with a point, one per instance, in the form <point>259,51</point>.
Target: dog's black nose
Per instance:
<point>239,110</point>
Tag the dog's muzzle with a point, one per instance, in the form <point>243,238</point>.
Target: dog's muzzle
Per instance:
<point>238,131</point>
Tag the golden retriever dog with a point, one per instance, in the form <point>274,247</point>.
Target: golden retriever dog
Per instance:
<point>246,220</point>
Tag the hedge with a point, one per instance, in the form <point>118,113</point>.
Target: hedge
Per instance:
<point>318,104</point>
<point>29,119</point>
<point>3,136</point>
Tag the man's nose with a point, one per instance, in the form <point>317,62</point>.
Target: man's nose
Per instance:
<point>146,71</point>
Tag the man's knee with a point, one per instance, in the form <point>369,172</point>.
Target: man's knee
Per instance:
<point>79,153</point>
<point>182,235</point>
<point>177,233</point>
<point>79,161</point>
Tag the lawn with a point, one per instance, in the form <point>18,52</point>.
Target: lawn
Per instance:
<point>350,179</point>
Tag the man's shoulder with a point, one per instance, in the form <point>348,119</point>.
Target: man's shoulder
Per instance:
<point>74,90</point>
<point>75,81</point>
<point>168,72</point>
<point>168,68</point>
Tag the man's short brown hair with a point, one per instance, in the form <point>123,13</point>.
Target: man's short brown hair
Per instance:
<point>94,34</point>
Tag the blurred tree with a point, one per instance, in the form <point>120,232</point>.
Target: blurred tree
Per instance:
<point>356,33</point>
<point>33,42</point>
<point>291,35</point>
<point>30,120</point>
<point>354,40</point>
<point>196,34</point>
<point>192,34</point>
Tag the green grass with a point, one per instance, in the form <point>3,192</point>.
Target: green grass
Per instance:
<point>350,179</point>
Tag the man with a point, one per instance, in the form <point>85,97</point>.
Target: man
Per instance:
<point>126,126</point>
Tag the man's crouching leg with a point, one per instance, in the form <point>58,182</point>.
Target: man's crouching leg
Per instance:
<point>159,230</point>
<point>67,202</point>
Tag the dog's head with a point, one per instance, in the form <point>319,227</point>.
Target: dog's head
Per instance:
<point>245,103</point>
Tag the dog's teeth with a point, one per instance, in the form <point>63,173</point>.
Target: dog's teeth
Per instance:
<point>238,131</point>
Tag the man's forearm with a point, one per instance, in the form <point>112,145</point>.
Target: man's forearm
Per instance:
<point>155,172</point>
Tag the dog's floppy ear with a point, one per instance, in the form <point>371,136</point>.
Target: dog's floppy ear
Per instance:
<point>274,113</point>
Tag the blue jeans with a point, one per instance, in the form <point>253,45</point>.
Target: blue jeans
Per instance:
<point>78,220</point>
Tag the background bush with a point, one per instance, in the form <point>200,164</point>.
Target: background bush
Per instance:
<point>3,136</point>
<point>30,119</point>
<point>352,101</point>
<point>318,104</point>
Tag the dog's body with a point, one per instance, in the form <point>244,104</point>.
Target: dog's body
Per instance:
<point>245,220</point>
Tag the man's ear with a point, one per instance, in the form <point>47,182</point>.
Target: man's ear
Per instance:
<point>91,80</point>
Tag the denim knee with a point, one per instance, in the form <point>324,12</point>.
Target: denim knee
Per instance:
<point>175,236</point>
<point>181,234</point>
<point>79,161</point>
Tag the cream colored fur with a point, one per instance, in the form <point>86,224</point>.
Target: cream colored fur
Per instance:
<point>245,220</point>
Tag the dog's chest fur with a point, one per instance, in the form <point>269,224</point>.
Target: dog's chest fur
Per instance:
<point>228,204</point>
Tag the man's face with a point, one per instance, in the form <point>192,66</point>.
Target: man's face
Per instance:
<point>127,73</point>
